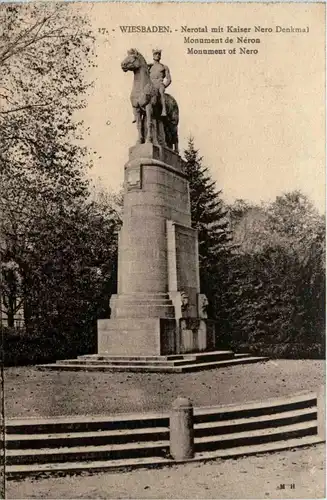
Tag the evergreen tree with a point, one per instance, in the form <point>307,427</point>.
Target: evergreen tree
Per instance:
<point>208,213</point>
<point>209,218</point>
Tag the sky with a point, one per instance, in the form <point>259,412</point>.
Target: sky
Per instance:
<point>258,120</point>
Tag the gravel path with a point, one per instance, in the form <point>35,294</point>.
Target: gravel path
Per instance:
<point>298,473</point>
<point>30,392</point>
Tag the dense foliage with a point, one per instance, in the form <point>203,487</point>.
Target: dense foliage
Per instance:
<point>209,218</point>
<point>58,245</point>
<point>262,268</point>
<point>273,296</point>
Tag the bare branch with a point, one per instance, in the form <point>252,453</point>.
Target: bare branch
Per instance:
<point>23,34</point>
<point>27,106</point>
<point>22,41</point>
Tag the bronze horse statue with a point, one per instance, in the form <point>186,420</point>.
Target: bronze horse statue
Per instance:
<point>146,103</point>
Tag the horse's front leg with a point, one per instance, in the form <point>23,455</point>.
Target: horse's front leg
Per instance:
<point>148,111</point>
<point>138,119</point>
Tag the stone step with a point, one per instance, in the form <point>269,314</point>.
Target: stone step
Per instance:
<point>118,436</point>
<point>143,296</point>
<point>111,361</point>
<point>77,453</point>
<point>202,416</point>
<point>111,367</point>
<point>108,368</point>
<point>126,301</point>
<point>169,357</point>
<point>104,357</point>
<point>253,423</point>
<point>17,471</point>
<point>209,356</point>
<point>260,448</point>
<point>95,438</point>
<point>143,309</point>
<point>300,401</point>
<point>220,364</point>
<point>158,448</point>
<point>78,423</point>
<point>257,436</point>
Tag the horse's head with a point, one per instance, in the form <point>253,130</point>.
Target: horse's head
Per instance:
<point>133,61</point>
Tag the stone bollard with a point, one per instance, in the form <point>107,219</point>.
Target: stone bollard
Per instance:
<point>321,408</point>
<point>182,429</point>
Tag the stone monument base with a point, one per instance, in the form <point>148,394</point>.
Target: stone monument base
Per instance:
<point>155,336</point>
<point>173,363</point>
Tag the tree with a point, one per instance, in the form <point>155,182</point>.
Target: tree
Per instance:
<point>209,218</point>
<point>69,270</point>
<point>60,244</point>
<point>248,222</point>
<point>274,293</point>
<point>296,222</point>
<point>301,231</point>
<point>110,205</point>
<point>44,52</point>
<point>107,200</point>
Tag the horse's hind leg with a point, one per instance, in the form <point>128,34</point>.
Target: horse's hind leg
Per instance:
<point>175,140</point>
<point>155,133</point>
<point>161,133</point>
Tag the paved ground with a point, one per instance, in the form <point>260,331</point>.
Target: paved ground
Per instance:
<point>290,474</point>
<point>297,473</point>
<point>31,393</point>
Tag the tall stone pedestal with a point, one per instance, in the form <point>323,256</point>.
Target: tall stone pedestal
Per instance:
<point>158,317</point>
<point>158,309</point>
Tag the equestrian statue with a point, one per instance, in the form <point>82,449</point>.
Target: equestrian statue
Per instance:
<point>156,113</point>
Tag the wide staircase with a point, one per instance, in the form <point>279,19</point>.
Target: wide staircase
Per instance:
<point>178,363</point>
<point>99,443</point>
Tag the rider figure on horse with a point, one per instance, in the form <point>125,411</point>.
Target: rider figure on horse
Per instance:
<point>160,77</point>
